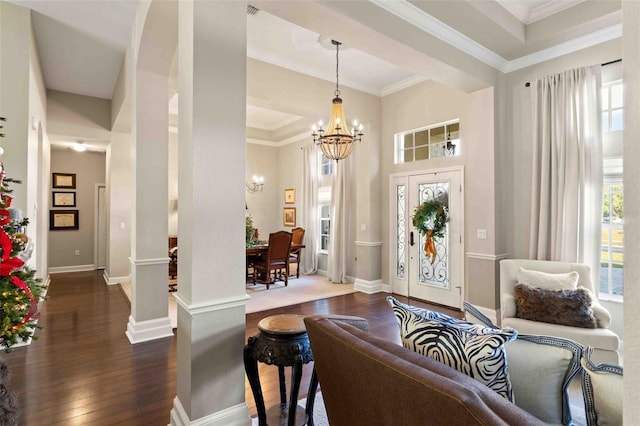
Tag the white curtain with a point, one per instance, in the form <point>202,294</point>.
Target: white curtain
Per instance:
<point>309,259</point>
<point>566,200</point>
<point>339,235</point>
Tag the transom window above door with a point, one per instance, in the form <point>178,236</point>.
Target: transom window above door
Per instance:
<point>438,140</point>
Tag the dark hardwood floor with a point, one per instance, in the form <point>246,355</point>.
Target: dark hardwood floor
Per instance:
<point>82,370</point>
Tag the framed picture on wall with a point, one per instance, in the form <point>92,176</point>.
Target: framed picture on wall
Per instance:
<point>64,180</point>
<point>60,220</point>
<point>290,196</point>
<point>289,216</point>
<point>64,199</point>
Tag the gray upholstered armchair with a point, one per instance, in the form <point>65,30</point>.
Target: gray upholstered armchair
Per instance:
<point>604,341</point>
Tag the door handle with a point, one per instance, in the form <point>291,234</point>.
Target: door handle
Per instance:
<point>411,242</point>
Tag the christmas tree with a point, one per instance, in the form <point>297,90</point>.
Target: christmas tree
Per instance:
<point>20,291</point>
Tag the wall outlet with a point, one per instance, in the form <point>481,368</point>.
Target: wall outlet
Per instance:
<point>481,234</point>
<point>77,252</point>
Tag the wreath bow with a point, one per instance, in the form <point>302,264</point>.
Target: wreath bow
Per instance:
<point>430,219</point>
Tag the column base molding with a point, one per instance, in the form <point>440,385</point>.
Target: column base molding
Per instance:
<point>143,331</point>
<point>114,280</point>
<point>238,415</point>
<point>370,287</point>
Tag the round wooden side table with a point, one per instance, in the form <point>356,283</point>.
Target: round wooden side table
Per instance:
<point>282,341</point>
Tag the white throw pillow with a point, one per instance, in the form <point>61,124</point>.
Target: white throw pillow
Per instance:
<point>546,281</point>
<point>602,391</point>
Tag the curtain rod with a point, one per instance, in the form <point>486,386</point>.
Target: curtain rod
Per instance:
<point>527,84</point>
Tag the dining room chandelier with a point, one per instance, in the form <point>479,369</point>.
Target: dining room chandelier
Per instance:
<point>337,140</point>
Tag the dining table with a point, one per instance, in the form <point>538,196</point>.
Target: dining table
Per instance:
<point>263,247</point>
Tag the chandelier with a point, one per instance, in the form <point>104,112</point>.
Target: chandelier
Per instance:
<point>336,142</point>
<point>257,184</point>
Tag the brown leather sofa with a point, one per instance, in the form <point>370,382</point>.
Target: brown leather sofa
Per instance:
<point>366,380</point>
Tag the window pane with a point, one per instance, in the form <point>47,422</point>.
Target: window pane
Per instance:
<point>616,96</point>
<point>605,98</point>
<point>324,212</point>
<point>324,227</point>
<point>437,134</point>
<point>436,150</point>
<point>617,122</point>
<point>408,140</point>
<point>422,139</point>
<point>324,243</point>
<point>408,155</point>
<point>605,121</point>
<point>453,131</point>
<point>422,153</point>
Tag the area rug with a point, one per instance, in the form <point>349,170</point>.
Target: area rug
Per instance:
<point>319,412</point>
<point>307,288</point>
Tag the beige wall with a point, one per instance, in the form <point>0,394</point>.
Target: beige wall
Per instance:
<point>118,180</point>
<point>89,168</point>
<point>516,168</point>
<point>513,167</point>
<point>73,116</point>
<point>431,103</point>
<point>271,86</point>
<point>15,45</point>
<point>265,207</point>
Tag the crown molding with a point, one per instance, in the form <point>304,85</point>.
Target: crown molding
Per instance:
<point>549,8</point>
<point>588,40</point>
<point>427,23</point>
<point>408,82</point>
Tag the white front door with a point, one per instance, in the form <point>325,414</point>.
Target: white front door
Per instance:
<point>440,278</point>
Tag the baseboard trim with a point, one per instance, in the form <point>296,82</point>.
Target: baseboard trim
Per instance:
<point>237,415</point>
<point>368,243</point>
<point>368,287</point>
<point>46,282</point>
<point>74,268</point>
<point>144,331</point>
<point>114,280</point>
<point>484,256</point>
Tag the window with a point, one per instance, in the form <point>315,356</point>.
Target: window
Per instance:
<point>612,107</point>
<point>324,219</point>
<point>612,257</point>
<point>326,166</point>
<point>440,140</point>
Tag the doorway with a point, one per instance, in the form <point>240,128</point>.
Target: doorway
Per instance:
<point>438,278</point>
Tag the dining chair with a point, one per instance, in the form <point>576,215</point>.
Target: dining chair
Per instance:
<point>294,255</point>
<point>276,260</point>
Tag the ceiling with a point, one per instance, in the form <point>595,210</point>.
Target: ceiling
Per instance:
<point>82,42</point>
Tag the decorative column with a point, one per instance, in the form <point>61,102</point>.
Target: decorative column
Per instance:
<point>149,318</point>
<point>631,79</point>
<point>211,166</point>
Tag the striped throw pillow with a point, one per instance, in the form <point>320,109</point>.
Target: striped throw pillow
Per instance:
<point>472,349</point>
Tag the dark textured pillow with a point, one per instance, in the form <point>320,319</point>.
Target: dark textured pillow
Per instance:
<point>564,307</point>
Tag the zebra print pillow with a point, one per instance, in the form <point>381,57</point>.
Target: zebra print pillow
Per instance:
<point>472,349</point>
